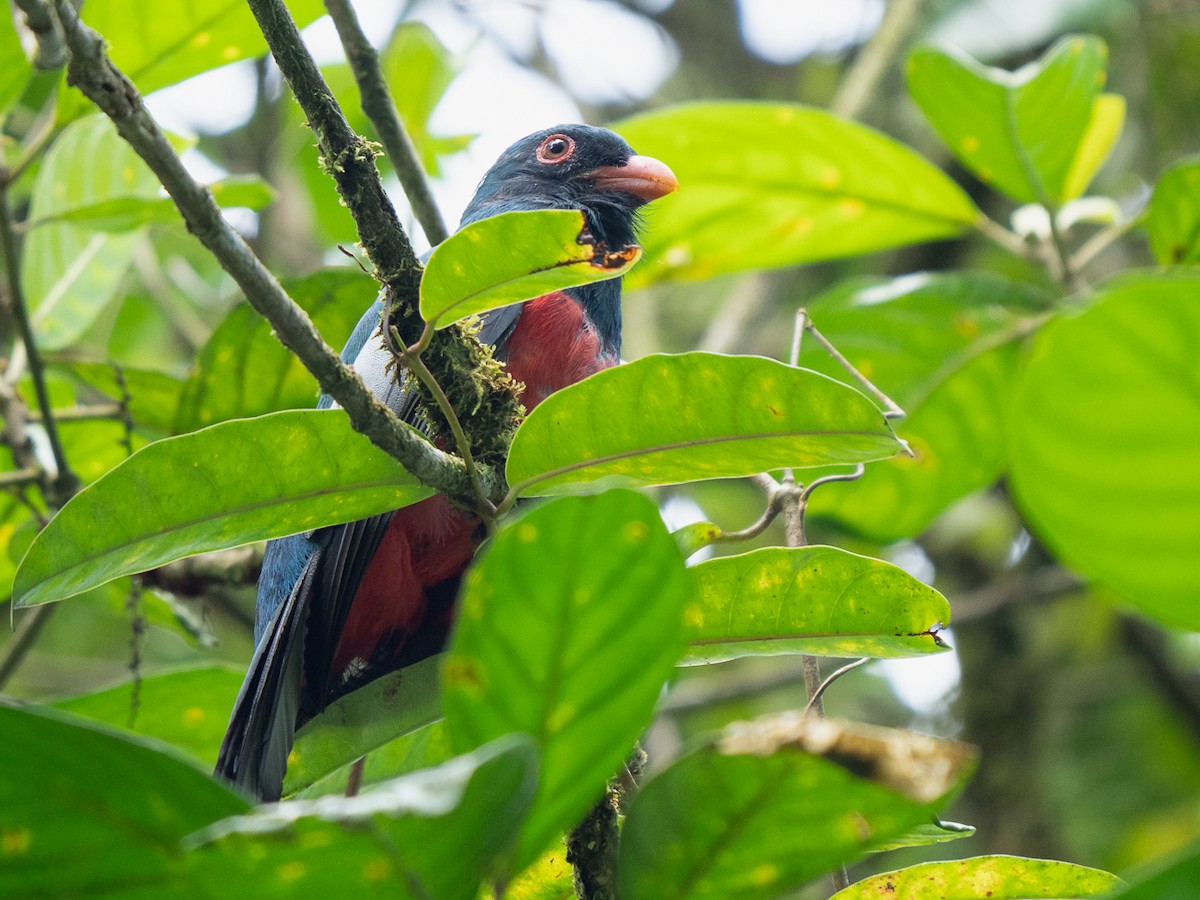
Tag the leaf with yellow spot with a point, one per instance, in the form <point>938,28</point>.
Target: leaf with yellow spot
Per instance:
<point>223,486</point>
<point>514,257</point>
<point>157,51</point>
<point>765,185</point>
<point>575,653</point>
<point>676,418</point>
<point>815,600</point>
<point>987,878</point>
<point>1038,134</point>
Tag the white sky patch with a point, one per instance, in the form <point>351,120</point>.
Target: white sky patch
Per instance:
<point>924,682</point>
<point>605,53</point>
<point>786,31</point>
<point>211,103</point>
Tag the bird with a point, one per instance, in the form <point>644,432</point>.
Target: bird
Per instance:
<point>344,604</point>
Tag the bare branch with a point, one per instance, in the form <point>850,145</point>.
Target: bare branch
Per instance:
<point>860,82</point>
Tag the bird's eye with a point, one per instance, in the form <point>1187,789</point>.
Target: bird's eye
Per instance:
<point>555,149</point>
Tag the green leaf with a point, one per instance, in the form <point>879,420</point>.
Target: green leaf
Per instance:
<point>1103,128</point>
<point>1176,881</point>
<point>223,486</point>
<point>418,68</point>
<point>935,832</point>
<point>85,813</point>
<point>431,834</point>
<point>363,721</point>
<point>157,51</point>
<point>70,273</point>
<point>188,709</point>
<point>769,185</point>
<point>125,213</point>
<point>17,68</point>
<point>986,878</point>
<point>1104,433</point>
<point>1021,132</point>
<point>675,418</point>
<point>945,347</point>
<point>244,371</point>
<point>817,600</point>
<point>1173,220</point>
<point>574,654</point>
<point>777,802</point>
<point>513,257</point>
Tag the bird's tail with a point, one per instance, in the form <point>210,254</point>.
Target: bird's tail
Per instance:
<point>262,726</point>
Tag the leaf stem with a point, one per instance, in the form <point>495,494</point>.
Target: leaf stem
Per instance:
<point>416,365</point>
<point>379,107</point>
<point>1101,241</point>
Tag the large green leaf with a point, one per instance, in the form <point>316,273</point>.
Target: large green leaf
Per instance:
<point>1020,132</point>
<point>945,347</point>
<point>156,51</point>
<point>1173,219</point>
<point>363,721</point>
<point>569,624</point>
<point>244,371</point>
<point>69,272</point>
<point>433,834</point>
<point>188,709</point>
<point>223,486</point>
<point>513,257</point>
<point>986,878</point>
<point>777,802</point>
<point>768,185</point>
<point>668,419</point>
<point>818,600</point>
<point>85,813</point>
<point>1104,437</point>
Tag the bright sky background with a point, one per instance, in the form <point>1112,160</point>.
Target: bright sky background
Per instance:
<point>619,55</point>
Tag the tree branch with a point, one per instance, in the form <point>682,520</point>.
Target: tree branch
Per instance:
<point>93,72</point>
<point>379,107</point>
<point>858,85</point>
<point>480,391</point>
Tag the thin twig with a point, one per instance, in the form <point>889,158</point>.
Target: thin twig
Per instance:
<point>64,483</point>
<point>20,478</point>
<point>891,409</point>
<point>1009,240</point>
<point>83,413</point>
<point>815,697</point>
<point>354,779</point>
<point>31,626</point>
<point>1101,241</point>
<point>379,107</point>
<point>860,82</point>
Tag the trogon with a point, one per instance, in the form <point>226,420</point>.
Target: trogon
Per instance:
<point>342,605</point>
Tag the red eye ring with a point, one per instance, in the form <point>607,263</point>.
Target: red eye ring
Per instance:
<point>556,149</point>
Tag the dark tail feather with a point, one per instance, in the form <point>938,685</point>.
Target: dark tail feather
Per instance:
<point>263,723</point>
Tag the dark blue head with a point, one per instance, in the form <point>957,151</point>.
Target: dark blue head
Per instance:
<point>578,167</point>
<point>574,167</point>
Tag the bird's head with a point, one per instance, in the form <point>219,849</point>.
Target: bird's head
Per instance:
<point>574,167</point>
